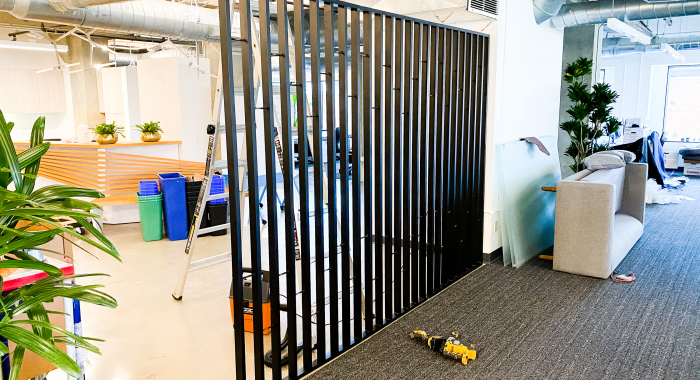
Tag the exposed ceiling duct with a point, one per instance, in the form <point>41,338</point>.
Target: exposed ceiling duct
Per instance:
<point>598,12</point>
<point>157,18</point>
<point>623,46</point>
<point>546,9</point>
<point>66,5</point>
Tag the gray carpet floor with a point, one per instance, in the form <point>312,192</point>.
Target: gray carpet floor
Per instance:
<point>535,323</point>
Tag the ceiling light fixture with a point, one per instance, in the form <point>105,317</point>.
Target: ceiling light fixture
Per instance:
<point>97,67</point>
<point>32,46</point>
<point>672,52</point>
<point>58,67</point>
<point>629,31</point>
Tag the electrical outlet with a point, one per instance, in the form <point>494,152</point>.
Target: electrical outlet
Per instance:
<point>197,139</point>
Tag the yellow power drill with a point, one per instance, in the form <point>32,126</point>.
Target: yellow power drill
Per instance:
<point>450,346</point>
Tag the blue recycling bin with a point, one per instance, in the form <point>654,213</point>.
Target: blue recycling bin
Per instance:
<point>172,185</point>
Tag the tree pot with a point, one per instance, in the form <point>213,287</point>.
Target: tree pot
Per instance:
<point>150,136</point>
<point>107,139</point>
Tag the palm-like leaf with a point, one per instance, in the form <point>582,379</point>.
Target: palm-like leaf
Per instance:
<point>40,208</point>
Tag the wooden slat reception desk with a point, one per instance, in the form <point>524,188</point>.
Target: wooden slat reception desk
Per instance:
<point>114,169</point>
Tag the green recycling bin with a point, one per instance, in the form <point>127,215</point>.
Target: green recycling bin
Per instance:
<point>151,213</point>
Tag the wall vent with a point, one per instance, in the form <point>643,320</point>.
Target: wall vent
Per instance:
<point>488,8</point>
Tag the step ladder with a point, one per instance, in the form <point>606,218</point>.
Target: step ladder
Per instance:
<point>211,167</point>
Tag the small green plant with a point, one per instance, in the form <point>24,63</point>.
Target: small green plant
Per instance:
<point>149,127</point>
<point>590,113</point>
<point>108,129</point>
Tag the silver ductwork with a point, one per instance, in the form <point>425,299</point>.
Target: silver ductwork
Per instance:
<point>598,12</point>
<point>624,46</point>
<point>546,9</point>
<point>157,18</point>
<point>66,5</point>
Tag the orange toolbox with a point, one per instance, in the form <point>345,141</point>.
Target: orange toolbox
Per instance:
<point>248,301</point>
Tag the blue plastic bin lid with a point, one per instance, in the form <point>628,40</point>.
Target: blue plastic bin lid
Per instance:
<point>170,176</point>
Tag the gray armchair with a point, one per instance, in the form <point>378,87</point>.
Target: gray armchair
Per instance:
<point>599,217</point>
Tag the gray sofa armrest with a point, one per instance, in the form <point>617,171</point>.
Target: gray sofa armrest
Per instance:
<point>583,229</point>
<point>633,203</point>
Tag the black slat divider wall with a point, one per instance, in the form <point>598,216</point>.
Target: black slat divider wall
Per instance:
<point>403,176</point>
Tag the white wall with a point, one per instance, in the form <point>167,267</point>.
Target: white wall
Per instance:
<point>641,80</point>
<point>172,92</point>
<point>526,94</point>
<point>58,125</point>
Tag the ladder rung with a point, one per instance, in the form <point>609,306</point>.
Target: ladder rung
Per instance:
<point>221,164</point>
<point>209,261</point>
<point>214,229</point>
<point>217,196</point>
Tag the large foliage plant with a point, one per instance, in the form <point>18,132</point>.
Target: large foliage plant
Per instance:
<point>24,320</point>
<point>590,113</point>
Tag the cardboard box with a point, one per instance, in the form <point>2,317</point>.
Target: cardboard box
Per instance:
<point>691,168</point>
<point>34,365</point>
<point>61,243</point>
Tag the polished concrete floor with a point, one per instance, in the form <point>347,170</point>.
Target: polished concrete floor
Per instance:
<point>150,335</point>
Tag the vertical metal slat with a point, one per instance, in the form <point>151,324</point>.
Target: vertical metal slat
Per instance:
<point>395,195</point>
<point>414,144</point>
<point>422,221</point>
<point>344,174</point>
<point>288,174</point>
<point>439,157</point>
<point>388,150</point>
<point>232,160</point>
<point>303,148</point>
<point>378,163</point>
<point>432,105</point>
<point>356,176</point>
<point>329,54</point>
<point>271,179</point>
<point>318,182</point>
<point>406,162</point>
<point>367,118</point>
<point>252,149</point>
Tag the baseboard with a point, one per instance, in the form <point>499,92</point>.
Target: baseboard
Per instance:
<point>493,256</point>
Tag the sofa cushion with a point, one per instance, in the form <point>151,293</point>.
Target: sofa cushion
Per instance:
<point>615,177</point>
<point>605,160</point>
<point>626,231</point>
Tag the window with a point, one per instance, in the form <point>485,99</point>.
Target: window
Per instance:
<point>682,114</point>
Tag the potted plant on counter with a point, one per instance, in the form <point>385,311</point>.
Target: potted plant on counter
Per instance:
<point>108,133</point>
<point>150,131</point>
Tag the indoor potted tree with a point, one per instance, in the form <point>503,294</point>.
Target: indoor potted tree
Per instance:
<point>590,113</point>
<point>150,131</point>
<point>20,209</point>
<point>108,133</point>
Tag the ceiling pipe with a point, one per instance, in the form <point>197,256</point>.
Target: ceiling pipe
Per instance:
<point>598,12</point>
<point>624,46</point>
<point>157,18</point>
<point>546,9</point>
<point>66,5</point>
